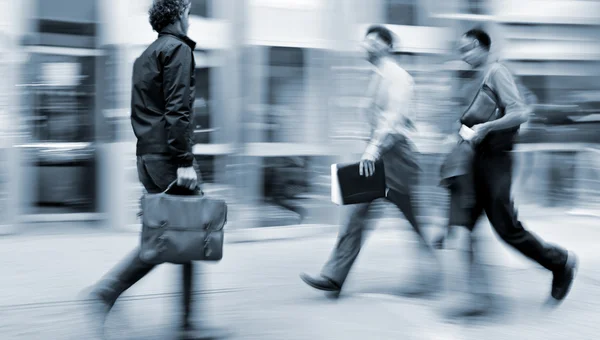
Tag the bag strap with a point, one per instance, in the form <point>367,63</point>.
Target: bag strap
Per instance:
<point>174,185</point>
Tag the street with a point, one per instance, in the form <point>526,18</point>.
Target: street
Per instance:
<point>255,292</point>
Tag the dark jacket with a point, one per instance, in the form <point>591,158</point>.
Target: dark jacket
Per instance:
<point>162,98</point>
<point>457,173</point>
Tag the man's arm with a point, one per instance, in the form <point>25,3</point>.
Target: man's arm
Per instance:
<point>516,111</point>
<point>394,122</point>
<point>177,70</point>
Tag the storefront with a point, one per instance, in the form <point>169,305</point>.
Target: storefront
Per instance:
<point>215,107</point>
<point>304,102</point>
<point>552,47</point>
<point>58,117</point>
<point>10,57</point>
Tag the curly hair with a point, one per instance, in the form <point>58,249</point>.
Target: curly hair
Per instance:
<point>165,12</point>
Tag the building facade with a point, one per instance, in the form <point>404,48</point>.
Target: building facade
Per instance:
<point>279,87</point>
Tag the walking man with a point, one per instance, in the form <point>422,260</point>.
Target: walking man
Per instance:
<point>492,178</point>
<point>392,117</point>
<point>162,101</point>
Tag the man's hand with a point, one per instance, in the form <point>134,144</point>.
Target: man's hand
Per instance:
<point>187,178</point>
<point>481,131</point>
<point>367,165</point>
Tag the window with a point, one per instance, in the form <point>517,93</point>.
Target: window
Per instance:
<point>202,120</point>
<point>538,85</point>
<point>285,95</point>
<point>477,6</point>
<point>63,98</point>
<point>401,12</point>
<point>206,163</point>
<point>200,8</point>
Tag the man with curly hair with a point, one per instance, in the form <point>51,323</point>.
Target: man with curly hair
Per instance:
<point>163,94</point>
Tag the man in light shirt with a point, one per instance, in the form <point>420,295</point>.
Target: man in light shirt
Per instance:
<point>392,124</point>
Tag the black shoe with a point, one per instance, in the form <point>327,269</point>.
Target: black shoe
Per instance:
<point>190,332</point>
<point>321,283</point>
<point>563,279</point>
<point>423,289</point>
<point>468,305</point>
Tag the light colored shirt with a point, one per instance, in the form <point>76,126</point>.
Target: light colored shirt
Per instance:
<point>393,113</point>
<point>502,82</point>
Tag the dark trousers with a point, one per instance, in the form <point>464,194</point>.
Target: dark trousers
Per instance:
<point>493,181</point>
<point>155,172</point>
<point>350,238</point>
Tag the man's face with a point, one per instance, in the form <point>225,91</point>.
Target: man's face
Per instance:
<point>471,52</point>
<point>184,18</point>
<point>374,47</point>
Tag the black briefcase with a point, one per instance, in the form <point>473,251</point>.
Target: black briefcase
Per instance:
<point>182,228</point>
<point>349,187</point>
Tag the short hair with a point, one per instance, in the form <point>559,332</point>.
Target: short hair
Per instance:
<point>383,33</point>
<point>484,39</point>
<point>165,12</point>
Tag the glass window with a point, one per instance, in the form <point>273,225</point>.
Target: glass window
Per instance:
<point>67,11</point>
<point>63,98</point>
<point>538,85</point>
<point>286,92</point>
<point>206,163</point>
<point>477,6</point>
<point>203,127</point>
<point>401,12</point>
<point>200,8</point>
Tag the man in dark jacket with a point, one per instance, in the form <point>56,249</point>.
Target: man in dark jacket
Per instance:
<point>162,101</point>
<point>493,142</point>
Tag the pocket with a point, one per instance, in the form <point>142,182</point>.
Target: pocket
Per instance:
<point>161,170</point>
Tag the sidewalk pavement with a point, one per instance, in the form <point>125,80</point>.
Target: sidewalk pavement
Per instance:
<point>255,291</point>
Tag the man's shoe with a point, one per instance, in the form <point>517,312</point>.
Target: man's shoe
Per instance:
<point>321,283</point>
<point>422,289</point>
<point>426,280</point>
<point>190,332</point>
<point>468,305</point>
<point>563,279</point>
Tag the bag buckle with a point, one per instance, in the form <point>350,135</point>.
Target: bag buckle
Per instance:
<point>207,248</point>
<point>161,244</point>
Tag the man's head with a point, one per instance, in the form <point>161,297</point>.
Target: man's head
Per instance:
<point>166,12</point>
<point>378,42</point>
<point>474,47</point>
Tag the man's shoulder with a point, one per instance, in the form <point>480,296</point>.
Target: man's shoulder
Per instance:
<point>498,67</point>
<point>397,73</point>
<point>166,44</point>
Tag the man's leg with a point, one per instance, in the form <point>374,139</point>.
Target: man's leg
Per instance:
<point>426,281</point>
<point>188,290</point>
<point>404,202</point>
<point>471,295</point>
<point>503,217</point>
<point>350,239</point>
<point>471,283</point>
<point>106,292</point>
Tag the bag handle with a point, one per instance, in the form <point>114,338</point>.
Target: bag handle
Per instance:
<point>174,185</point>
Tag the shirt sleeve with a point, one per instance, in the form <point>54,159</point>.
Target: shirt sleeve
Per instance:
<point>396,121</point>
<point>177,68</point>
<point>503,83</point>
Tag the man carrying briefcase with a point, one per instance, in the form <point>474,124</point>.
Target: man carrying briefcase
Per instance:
<point>162,100</point>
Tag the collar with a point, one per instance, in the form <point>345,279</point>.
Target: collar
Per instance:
<point>171,30</point>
